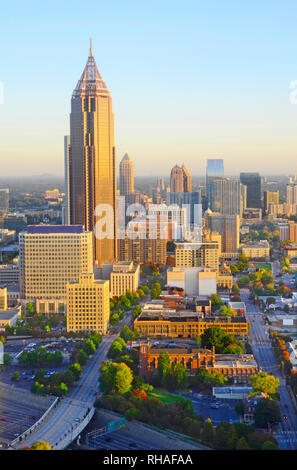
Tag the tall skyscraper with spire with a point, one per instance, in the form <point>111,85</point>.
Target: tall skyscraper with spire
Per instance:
<point>92,171</point>
<point>126,176</point>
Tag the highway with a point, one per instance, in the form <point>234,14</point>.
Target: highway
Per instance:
<point>75,405</point>
<point>263,352</point>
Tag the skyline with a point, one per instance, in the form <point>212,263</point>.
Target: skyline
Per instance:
<point>221,86</point>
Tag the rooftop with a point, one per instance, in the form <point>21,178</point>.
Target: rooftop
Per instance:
<point>55,229</point>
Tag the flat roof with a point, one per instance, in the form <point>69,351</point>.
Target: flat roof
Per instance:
<point>55,229</point>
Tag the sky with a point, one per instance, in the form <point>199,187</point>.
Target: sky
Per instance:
<point>189,80</point>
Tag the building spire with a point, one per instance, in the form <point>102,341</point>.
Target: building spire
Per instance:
<point>91,49</point>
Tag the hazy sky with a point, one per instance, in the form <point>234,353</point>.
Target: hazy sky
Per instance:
<point>190,80</point>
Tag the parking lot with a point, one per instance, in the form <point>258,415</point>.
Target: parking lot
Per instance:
<point>27,373</point>
<point>216,409</point>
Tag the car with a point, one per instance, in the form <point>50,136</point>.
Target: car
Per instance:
<point>285,417</point>
<point>3,419</point>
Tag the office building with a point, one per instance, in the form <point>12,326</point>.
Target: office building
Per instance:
<point>144,241</point>
<point>180,180</point>
<point>51,256</point>
<point>254,249</point>
<point>197,254</point>
<point>9,274</point>
<point>193,281</point>
<point>3,299</point>
<point>169,323</point>
<point>270,197</point>
<point>126,176</point>
<point>239,368</point>
<point>291,190</point>
<point>88,304</point>
<point>4,201</point>
<point>226,196</point>
<point>252,181</point>
<point>125,275</point>
<point>92,172</point>
<point>66,220</point>
<point>189,200</point>
<point>228,227</point>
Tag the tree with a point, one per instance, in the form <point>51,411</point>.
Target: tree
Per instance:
<point>7,359</point>
<point>207,434</point>
<point>264,383</point>
<point>242,444</point>
<point>115,377</point>
<point>239,407</point>
<point>198,341</point>
<point>225,436</point>
<point>16,375</point>
<point>179,376</point>
<point>117,347</point>
<point>40,445</point>
<point>132,413</point>
<point>89,347</point>
<point>30,309</point>
<point>82,357</point>
<point>227,311</point>
<point>269,445</point>
<point>216,337</point>
<point>164,368</point>
<point>267,412</point>
<point>76,370</point>
<point>216,301</point>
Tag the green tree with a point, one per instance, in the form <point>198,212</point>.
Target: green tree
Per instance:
<point>207,434</point>
<point>30,309</point>
<point>7,359</point>
<point>115,377</point>
<point>179,376</point>
<point>15,376</point>
<point>267,412</point>
<point>117,347</point>
<point>76,370</point>
<point>269,445</point>
<point>40,445</point>
<point>264,383</point>
<point>164,368</point>
<point>242,444</point>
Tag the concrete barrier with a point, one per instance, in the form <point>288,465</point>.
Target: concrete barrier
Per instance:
<point>19,395</point>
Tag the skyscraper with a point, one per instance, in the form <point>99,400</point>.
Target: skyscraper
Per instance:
<point>291,193</point>
<point>4,201</point>
<point>227,226</point>
<point>214,170</point>
<point>253,192</point>
<point>180,180</point>
<point>226,196</point>
<point>66,174</point>
<point>126,176</point>
<point>92,173</point>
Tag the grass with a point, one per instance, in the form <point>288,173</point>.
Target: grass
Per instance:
<point>266,266</point>
<point>165,397</point>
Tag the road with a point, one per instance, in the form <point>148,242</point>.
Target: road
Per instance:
<point>263,352</point>
<point>75,405</point>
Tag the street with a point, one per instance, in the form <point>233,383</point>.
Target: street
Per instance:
<point>263,352</point>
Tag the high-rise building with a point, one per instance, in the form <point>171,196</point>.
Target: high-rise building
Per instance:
<point>291,193</point>
<point>88,304</point>
<point>205,254</point>
<point>161,183</point>
<point>66,175</point>
<point>214,170</point>
<point>191,201</point>
<point>226,196</point>
<point>252,181</point>
<point>180,180</point>
<point>125,275</point>
<point>270,197</point>
<point>126,176</point>
<point>144,241</point>
<point>4,201</point>
<point>51,256</point>
<point>92,172</point>
<point>228,227</point>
